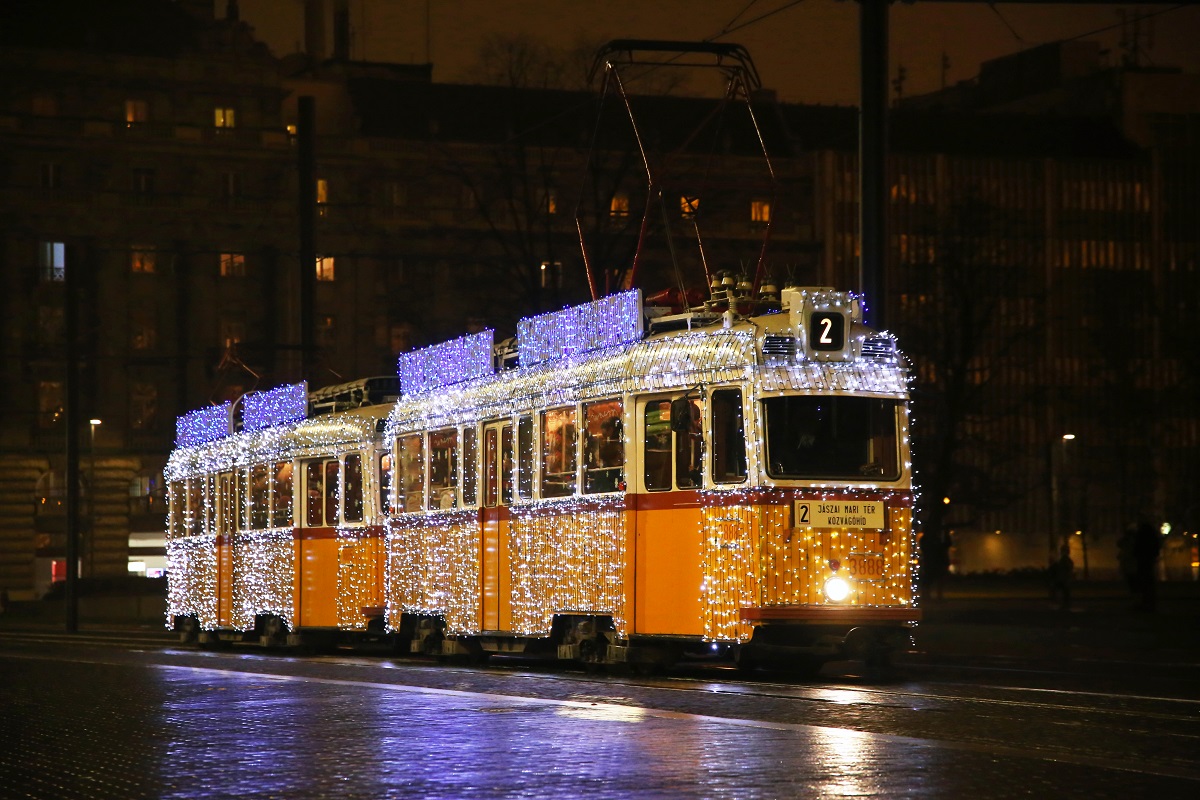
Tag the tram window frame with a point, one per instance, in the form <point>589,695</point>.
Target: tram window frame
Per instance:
<point>259,505</point>
<point>314,493</point>
<point>728,443</point>
<point>410,473</point>
<point>820,424</point>
<point>657,460</point>
<point>353,507</point>
<point>689,443</point>
<point>470,466</point>
<point>525,457</point>
<point>508,465</point>
<point>333,486</point>
<point>604,446</point>
<point>241,479</point>
<point>210,504</point>
<point>385,462</point>
<point>443,469</point>
<point>559,452</point>
<point>176,508</point>
<point>283,481</point>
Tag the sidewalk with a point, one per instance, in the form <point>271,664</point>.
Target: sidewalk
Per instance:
<point>1015,618</point>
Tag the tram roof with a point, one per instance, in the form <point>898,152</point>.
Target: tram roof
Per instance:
<point>660,362</point>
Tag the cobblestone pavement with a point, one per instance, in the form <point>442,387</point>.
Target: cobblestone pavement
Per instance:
<point>88,721</point>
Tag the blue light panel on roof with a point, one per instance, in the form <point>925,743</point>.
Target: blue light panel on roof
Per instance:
<point>608,322</point>
<point>281,406</point>
<point>202,426</point>
<point>447,363</point>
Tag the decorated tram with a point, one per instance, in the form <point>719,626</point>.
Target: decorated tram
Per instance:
<point>619,484</point>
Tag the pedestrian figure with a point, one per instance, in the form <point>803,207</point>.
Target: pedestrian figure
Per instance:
<point>1145,555</point>
<point>1061,573</point>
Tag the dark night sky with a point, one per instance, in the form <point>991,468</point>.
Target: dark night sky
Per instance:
<point>807,51</point>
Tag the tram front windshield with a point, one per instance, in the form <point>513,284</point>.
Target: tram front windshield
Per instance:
<point>815,436</point>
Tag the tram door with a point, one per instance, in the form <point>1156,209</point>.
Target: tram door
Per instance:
<point>497,494</point>
<point>668,571</point>
<point>227,503</point>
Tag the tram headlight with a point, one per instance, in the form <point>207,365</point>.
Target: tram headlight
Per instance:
<point>837,589</point>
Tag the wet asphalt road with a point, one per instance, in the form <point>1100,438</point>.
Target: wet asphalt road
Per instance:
<point>96,717</point>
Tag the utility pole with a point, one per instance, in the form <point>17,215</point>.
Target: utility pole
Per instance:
<point>872,157</point>
<point>71,277</point>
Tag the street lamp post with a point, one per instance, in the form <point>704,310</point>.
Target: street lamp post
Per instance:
<point>1057,459</point>
<point>91,508</point>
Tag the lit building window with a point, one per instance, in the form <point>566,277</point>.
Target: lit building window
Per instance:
<point>232,331</point>
<point>142,258</point>
<point>322,195</point>
<point>325,268</point>
<point>224,117</point>
<point>327,330</point>
<point>52,261</point>
<point>619,207</point>
<point>136,111</point>
<point>551,202</point>
<point>760,210</point>
<point>143,406</point>
<point>143,332</point>
<point>551,274</point>
<point>688,206</point>
<point>233,265</point>
<point>50,403</point>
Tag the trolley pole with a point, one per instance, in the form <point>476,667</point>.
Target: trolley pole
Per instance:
<point>307,206</point>
<point>872,156</point>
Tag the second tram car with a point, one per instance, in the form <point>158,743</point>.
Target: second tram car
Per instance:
<point>623,485</point>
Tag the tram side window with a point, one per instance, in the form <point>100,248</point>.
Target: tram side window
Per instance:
<point>352,495</point>
<point>177,509</point>
<point>332,470</point>
<point>656,456</point>
<point>385,484</point>
<point>506,465</point>
<point>410,476</point>
<point>210,505</point>
<point>241,479</point>
<point>558,452</point>
<point>443,469</point>
<point>314,494</point>
<point>231,491</point>
<point>604,452</point>
<point>281,495</point>
<point>525,458</point>
<point>470,475</point>
<point>729,437</point>
<point>259,497</point>
<point>689,443</point>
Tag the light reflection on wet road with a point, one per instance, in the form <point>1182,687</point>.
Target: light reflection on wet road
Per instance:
<point>108,723</point>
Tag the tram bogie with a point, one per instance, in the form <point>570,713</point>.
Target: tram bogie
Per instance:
<point>741,490</point>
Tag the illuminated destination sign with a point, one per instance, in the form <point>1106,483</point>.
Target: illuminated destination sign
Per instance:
<point>202,426</point>
<point>447,363</point>
<point>281,406</point>
<point>608,322</point>
<point>839,514</point>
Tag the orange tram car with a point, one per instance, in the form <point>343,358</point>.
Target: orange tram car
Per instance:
<point>620,485</point>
